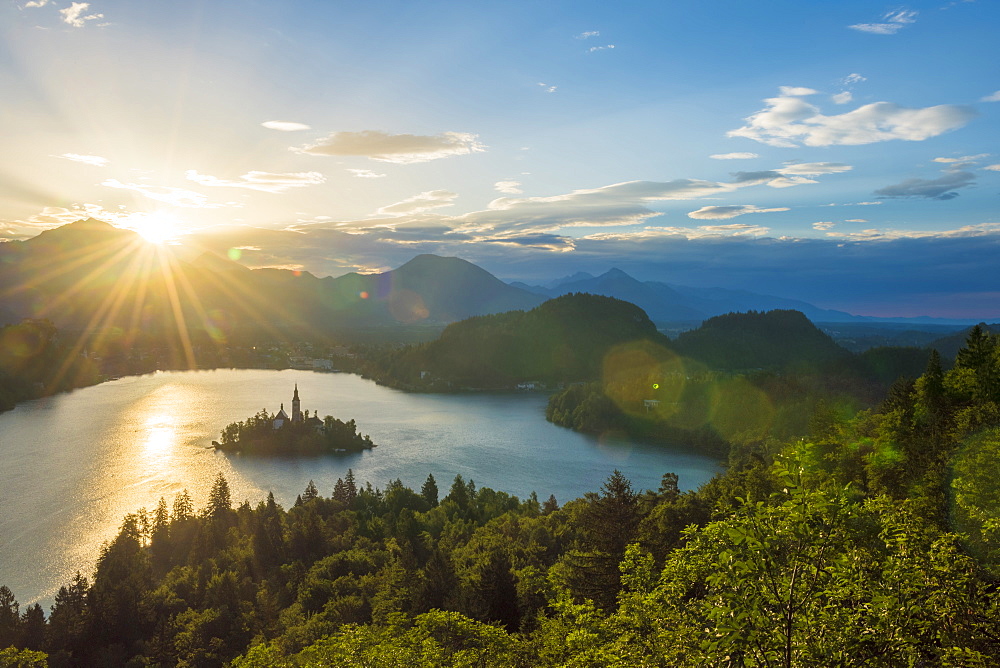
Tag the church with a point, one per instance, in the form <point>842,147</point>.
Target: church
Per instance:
<point>281,419</point>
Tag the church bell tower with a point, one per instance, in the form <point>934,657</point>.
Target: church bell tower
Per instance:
<point>296,407</point>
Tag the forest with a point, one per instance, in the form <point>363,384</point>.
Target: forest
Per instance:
<point>873,541</point>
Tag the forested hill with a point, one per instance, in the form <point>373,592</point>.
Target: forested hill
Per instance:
<point>780,339</point>
<point>565,338</point>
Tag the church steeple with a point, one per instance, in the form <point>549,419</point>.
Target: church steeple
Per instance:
<point>296,410</point>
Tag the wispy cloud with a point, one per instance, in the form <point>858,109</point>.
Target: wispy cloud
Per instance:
<point>965,231</point>
<point>814,168</point>
<point>733,156</point>
<point>36,3</point>
<point>730,211</point>
<point>588,34</point>
<point>267,182</point>
<point>992,168</point>
<point>169,195</point>
<point>993,97</point>
<point>941,188</point>
<point>600,48</point>
<point>823,225</point>
<point>845,96</point>
<point>400,149</point>
<point>366,174</point>
<point>425,201</point>
<point>892,22</point>
<point>547,88</point>
<point>966,158</point>
<point>508,187</point>
<point>94,160</point>
<point>75,16</point>
<point>285,126</point>
<point>790,121</point>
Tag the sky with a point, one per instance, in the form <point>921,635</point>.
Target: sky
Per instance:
<point>844,153</point>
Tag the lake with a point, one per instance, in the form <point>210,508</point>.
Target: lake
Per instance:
<point>74,464</point>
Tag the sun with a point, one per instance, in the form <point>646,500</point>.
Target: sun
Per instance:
<point>156,227</point>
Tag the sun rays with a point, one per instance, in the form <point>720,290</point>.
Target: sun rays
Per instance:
<point>111,290</point>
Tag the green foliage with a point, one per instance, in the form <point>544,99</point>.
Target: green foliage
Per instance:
<point>25,658</point>
<point>976,494</point>
<point>36,361</point>
<point>257,435</point>
<point>778,339</point>
<point>564,339</point>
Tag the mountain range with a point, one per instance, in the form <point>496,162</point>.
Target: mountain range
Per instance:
<point>670,303</point>
<point>89,275</point>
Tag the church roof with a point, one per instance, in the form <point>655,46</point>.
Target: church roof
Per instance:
<point>282,415</point>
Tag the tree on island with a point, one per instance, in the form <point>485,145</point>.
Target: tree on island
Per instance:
<point>259,435</point>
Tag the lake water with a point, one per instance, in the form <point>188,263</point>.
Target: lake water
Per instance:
<point>73,465</point>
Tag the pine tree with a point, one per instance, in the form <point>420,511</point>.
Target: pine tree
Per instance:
<point>550,505</point>
<point>9,617</point>
<point>350,487</point>
<point>183,507</point>
<point>32,631</point>
<point>310,493</point>
<point>220,502</point>
<point>429,490</point>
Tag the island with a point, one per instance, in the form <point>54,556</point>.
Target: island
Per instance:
<point>300,433</point>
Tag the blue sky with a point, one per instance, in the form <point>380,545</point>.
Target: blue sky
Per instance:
<point>845,153</point>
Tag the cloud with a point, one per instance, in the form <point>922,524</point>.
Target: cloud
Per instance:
<point>94,160</point>
<point>963,159</point>
<point>37,3</point>
<point>548,88</point>
<point>600,48</point>
<point>730,211</point>
<point>174,196</point>
<point>733,156</point>
<point>74,14</point>
<point>815,168</point>
<point>548,242</point>
<point>992,168</point>
<point>796,91</point>
<point>702,232</point>
<point>852,79</point>
<point>286,126</point>
<point>736,228</point>
<point>425,201</point>
<point>893,22</point>
<point>942,188</point>
<point>400,149</point>
<point>588,34</point>
<point>923,279</point>
<point>541,219</point>
<point>509,187</point>
<point>789,121</point>
<point>53,216</point>
<point>823,225</point>
<point>842,97</point>
<point>993,97</point>
<point>891,234</point>
<point>616,205</point>
<point>365,174</point>
<point>267,182</point>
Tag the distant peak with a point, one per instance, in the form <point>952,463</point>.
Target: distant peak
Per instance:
<point>575,278</point>
<point>614,272</point>
<point>91,224</point>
